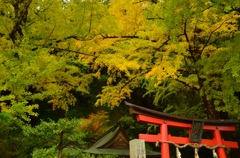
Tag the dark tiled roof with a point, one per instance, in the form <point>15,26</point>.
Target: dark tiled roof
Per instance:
<point>106,137</point>
<point>101,146</point>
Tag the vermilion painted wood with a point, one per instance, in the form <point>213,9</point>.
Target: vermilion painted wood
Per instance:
<point>139,110</point>
<point>230,144</point>
<point>167,120</point>
<point>157,121</point>
<point>220,151</point>
<point>163,123</point>
<point>164,146</point>
<point>184,140</point>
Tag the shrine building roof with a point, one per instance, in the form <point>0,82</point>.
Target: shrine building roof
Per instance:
<point>116,142</point>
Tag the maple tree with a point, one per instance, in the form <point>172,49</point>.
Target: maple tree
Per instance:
<point>95,124</point>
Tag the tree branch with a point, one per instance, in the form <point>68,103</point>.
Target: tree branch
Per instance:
<point>22,18</point>
<point>187,85</point>
<point>152,18</point>
<point>164,43</point>
<point>68,50</point>
<point>189,44</point>
<point>209,37</point>
<point>133,78</point>
<point>119,36</point>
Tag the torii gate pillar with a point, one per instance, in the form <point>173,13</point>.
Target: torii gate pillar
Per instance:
<point>164,146</point>
<point>220,151</point>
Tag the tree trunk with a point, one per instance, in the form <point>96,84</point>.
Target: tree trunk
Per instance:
<point>60,145</point>
<point>210,108</point>
<point>208,104</point>
<point>60,152</point>
<point>211,112</point>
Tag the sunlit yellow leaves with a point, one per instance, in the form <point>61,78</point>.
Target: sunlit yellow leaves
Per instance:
<point>161,72</point>
<point>211,24</point>
<point>128,14</point>
<point>164,41</point>
<point>62,100</point>
<point>78,44</point>
<point>39,75</point>
<point>126,42</point>
<point>118,63</point>
<point>113,96</point>
<point>21,110</point>
<point>211,50</point>
<point>60,83</point>
<point>31,109</point>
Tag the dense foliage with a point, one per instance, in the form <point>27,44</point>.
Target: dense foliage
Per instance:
<point>65,59</point>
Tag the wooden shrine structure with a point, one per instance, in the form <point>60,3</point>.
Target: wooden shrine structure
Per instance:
<point>194,126</point>
<point>115,142</point>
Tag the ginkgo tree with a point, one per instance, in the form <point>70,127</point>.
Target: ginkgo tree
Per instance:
<point>38,54</point>
<point>51,48</point>
<point>182,42</point>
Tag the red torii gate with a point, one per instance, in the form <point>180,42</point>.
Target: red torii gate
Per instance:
<point>166,120</point>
